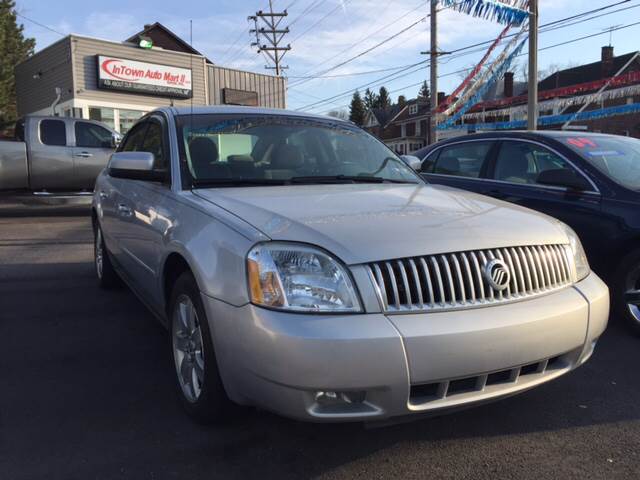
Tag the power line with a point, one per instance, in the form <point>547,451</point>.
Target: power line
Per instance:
<point>367,36</point>
<point>337,7</point>
<point>312,6</point>
<point>549,47</point>
<point>40,24</point>
<point>462,49</point>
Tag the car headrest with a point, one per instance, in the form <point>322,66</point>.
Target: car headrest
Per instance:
<point>516,165</point>
<point>287,157</point>
<point>448,165</point>
<point>202,151</point>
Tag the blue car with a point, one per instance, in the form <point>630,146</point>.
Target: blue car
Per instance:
<point>589,181</point>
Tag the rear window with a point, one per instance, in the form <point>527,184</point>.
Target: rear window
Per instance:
<point>616,157</point>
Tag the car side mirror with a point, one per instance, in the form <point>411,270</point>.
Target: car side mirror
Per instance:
<point>563,177</point>
<point>116,138</point>
<point>412,162</point>
<point>134,166</point>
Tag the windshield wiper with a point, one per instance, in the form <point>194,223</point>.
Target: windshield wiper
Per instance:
<point>345,179</point>
<point>236,182</point>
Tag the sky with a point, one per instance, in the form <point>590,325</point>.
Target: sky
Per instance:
<point>326,33</point>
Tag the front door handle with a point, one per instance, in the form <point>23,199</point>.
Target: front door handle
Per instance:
<point>124,211</point>
<point>103,195</point>
<point>83,155</point>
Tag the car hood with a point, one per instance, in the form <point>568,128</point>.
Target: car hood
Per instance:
<point>369,222</point>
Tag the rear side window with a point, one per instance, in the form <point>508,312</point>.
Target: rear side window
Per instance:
<point>53,132</point>
<point>462,160</point>
<point>90,135</point>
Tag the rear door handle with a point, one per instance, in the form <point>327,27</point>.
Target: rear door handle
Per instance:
<point>124,211</point>
<point>83,155</point>
<point>103,195</point>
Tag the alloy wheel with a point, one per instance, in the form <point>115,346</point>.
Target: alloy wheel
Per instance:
<point>632,293</point>
<point>188,352</point>
<point>99,254</point>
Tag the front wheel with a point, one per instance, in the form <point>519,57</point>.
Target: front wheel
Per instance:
<point>627,290</point>
<point>197,377</point>
<point>106,274</point>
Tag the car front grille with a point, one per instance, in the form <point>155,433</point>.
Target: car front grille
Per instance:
<point>456,280</point>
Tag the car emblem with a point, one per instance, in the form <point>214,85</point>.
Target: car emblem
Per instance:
<point>497,274</point>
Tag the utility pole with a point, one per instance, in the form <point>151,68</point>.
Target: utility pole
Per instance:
<point>532,115</point>
<point>273,34</point>
<point>433,136</point>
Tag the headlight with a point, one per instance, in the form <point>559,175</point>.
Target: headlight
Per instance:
<point>579,257</point>
<point>300,278</point>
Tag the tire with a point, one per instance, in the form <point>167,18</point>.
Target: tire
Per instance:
<point>627,291</point>
<point>196,372</point>
<point>107,276</point>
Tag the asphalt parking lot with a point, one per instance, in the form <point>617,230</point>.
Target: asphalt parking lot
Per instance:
<point>86,392</point>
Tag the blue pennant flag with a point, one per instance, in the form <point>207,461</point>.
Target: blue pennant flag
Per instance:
<point>490,10</point>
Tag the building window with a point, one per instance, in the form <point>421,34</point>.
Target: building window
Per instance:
<point>104,115</point>
<point>413,109</point>
<point>128,118</point>
<point>418,133</point>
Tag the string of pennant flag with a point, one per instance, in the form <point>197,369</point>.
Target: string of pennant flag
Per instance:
<point>557,103</point>
<point>552,119</point>
<point>506,12</point>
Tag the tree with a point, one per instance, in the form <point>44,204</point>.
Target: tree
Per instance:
<point>424,92</point>
<point>384,101</point>
<point>357,109</point>
<point>14,48</point>
<point>402,101</point>
<point>370,99</point>
<point>339,113</point>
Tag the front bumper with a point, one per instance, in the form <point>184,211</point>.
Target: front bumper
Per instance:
<point>382,366</point>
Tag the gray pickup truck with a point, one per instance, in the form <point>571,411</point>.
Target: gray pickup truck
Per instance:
<point>55,155</point>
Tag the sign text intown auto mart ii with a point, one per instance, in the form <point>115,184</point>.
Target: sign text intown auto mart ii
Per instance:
<point>133,76</point>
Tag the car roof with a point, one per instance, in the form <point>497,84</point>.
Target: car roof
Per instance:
<point>236,109</point>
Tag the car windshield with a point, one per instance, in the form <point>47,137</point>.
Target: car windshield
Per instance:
<point>278,149</point>
<point>616,157</point>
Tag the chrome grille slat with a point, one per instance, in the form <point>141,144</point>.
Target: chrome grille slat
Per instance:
<point>467,270</point>
<point>394,285</point>
<point>455,280</point>
<point>427,276</point>
<point>405,283</point>
<point>418,283</point>
<point>436,268</point>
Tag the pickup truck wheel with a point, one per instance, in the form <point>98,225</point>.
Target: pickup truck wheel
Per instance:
<point>627,290</point>
<point>107,276</point>
<point>198,380</point>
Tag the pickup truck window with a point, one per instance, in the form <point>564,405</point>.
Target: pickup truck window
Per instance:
<point>266,149</point>
<point>92,136</point>
<point>53,132</point>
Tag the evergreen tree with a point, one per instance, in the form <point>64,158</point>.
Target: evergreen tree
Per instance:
<point>402,101</point>
<point>384,100</point>
<point>370,99</point>
<point>14,48</point>
<point>424,93</point>
<point>357,109</point>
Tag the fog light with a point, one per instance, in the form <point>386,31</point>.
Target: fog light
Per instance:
<point>337,398</point>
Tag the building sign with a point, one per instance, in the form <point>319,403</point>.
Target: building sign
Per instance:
<point>142,77</point>
<point>231,96</point>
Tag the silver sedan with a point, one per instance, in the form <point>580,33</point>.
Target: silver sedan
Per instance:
<point>302,267</point>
